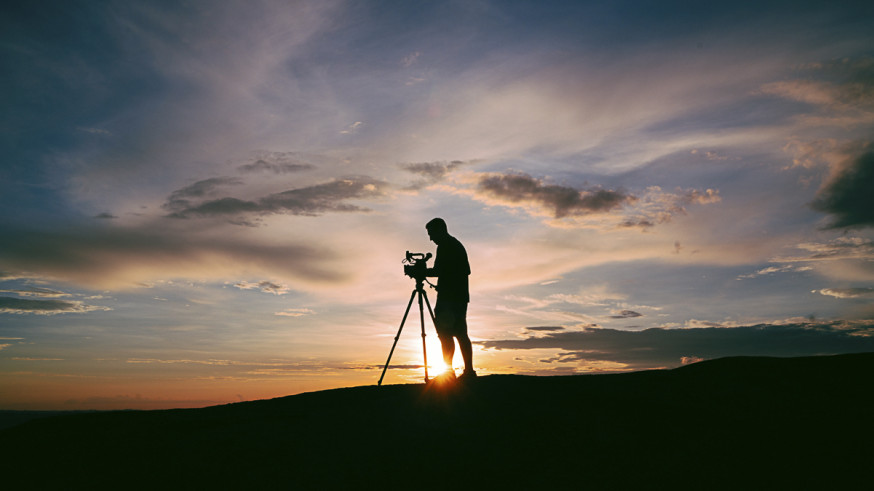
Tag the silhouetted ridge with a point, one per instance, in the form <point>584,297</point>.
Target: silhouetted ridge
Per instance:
<point>734,422</point>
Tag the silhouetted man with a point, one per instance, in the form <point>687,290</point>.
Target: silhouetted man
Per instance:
<point>452,269</point>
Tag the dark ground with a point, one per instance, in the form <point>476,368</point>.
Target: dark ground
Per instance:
<point>760,423</point>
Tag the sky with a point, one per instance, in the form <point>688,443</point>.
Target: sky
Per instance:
<point>207,202</point>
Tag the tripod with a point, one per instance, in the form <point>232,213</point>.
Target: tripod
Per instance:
<point>421,291</point>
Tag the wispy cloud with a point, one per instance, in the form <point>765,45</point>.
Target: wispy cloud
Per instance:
<point>839,85</point>
<point>430,172</point>
<point>411,59</point>
<point>847,247</point>
<point>264,286</point>
<point>277,163</point>
<point>352,128</point>
<point>332,196</point>
<point>45,307</point>
<point>786,268</point>
<point>848,292</point>
<point>294,312</point>
<point>37,292</point>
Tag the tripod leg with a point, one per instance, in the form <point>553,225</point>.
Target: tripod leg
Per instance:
<point>422,322</point>
<point>433,319</point>
<point>430,312</point>
<point>406,313</point>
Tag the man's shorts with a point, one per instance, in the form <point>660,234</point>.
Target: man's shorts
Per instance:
<point>450,318</point>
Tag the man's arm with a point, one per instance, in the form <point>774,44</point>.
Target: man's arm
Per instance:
<point>434,271</point>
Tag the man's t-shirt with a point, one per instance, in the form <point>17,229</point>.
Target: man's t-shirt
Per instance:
<point>453,269</point>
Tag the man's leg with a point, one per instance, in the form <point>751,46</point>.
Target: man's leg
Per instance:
<point>464,345</point>
<point>448,345</point>
<point>444,319</point>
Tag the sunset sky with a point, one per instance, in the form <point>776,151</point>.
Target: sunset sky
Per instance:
<point>205,202</point>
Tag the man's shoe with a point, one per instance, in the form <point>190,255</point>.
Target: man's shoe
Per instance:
<point>467,375</point>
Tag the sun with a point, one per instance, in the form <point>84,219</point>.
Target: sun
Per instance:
<point>436,367</point>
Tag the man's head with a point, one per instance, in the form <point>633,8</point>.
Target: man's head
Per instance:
<point>437,230</point>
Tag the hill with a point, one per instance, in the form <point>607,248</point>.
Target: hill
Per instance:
<point>751,422</point>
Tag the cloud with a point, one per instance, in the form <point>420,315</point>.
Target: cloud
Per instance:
<point>847,247</point>
<point>848,292</point>
<point>557,201</point>
<point>310,201</point>
<point>211,362</point>
<point>842,85</point>
<point>353,128</point>
<point>583,207</point>
<point>294,312</point>
<point>787,268</point>
<point>95,131</point>
<point>626,314</point>
<point>811,92</point>
<point>276,163</point>
<point>410,59</point>
<point>129,256</point>
<point>430,172</point>
<point>545,328</point>
<point>45,307</point>
<point>264,286</point>
<point>181,198</point>
<point>688,360</point>
<point>847,196</point>
<point>657,347</point>
<point>37,292</point>
<point>656,206</point>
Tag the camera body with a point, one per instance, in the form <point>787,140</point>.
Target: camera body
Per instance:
<point>416,265</point>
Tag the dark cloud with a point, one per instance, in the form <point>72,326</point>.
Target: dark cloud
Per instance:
<point>311,200</point>
<point>637,222</point>
<point>276,163</point>
<point>221,206</point>
<point>430,172</point>
<point>264,166</point>
<point>653,348</point>
<point>560,201</point>
<point>380,367</point>
<point>205,187</point>
<point>626,314</point>
<point>545,328</point>
<point>848,197</point>
<point>105,216</point>
<point>182,198</point>
<point>115,256</point>
<point>45,307</point>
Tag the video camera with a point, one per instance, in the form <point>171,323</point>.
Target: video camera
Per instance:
<point>415,265</point>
